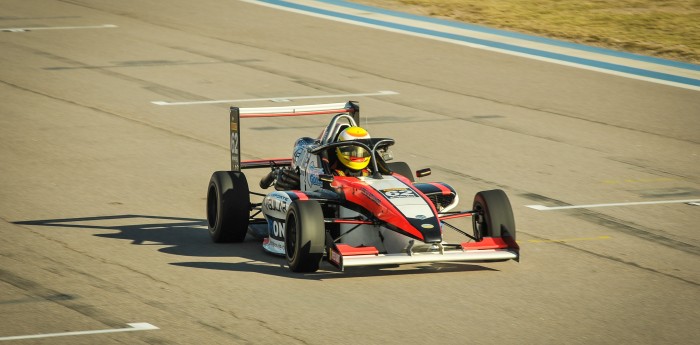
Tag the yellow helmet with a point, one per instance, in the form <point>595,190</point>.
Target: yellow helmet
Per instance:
<point>353,157</point>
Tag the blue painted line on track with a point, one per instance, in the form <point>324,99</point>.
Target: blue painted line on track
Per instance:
<point>503,46</point>
<point>504,33</point>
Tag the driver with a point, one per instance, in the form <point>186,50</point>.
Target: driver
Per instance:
<point>351,160</point>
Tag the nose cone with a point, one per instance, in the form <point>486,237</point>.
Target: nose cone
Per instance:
<point>429,228</point>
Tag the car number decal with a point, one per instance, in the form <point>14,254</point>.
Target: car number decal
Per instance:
<point>393,193</point>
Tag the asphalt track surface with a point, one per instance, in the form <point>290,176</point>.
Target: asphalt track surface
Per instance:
<point>102,220</point>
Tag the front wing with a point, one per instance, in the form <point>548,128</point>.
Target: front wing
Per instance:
<point>489,249</point>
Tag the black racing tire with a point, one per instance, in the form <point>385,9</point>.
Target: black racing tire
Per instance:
<point>402,169</point>
<point>228,206</point>
<point>304,236</point>
<point>493,215</point>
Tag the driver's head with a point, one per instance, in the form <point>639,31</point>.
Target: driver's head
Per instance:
<point>353,157</point>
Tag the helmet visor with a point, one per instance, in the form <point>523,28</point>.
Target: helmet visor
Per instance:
<point>354,152</point>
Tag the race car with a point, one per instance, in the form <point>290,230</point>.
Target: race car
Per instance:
<point>381,216</point>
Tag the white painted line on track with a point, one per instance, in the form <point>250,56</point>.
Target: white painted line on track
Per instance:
<point>276,99</point>
<point>546,208</point>
<point>138,326</point>
<point>105,26</point>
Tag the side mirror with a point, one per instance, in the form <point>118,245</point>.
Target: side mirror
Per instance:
<point>423,172</point>
<point>387,155</point>
<point>326,178</point>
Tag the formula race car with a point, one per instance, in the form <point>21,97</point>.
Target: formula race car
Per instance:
<point>381,216</point>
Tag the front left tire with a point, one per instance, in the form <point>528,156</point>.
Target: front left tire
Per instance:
<point>304,236</point>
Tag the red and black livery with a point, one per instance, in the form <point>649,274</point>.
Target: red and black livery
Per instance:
<point>383,218</point>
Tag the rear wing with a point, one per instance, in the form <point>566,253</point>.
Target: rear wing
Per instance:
<point>351,108</point>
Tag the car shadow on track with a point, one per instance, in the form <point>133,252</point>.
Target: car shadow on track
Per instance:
<point>181,236</point>
<point>189,237</point>
<point>326,271</point>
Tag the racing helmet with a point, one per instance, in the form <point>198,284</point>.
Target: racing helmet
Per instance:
<point>353,157</point>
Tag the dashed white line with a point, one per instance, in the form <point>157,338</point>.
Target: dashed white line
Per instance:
<point>547,208</point>
<point>139,326</point>
<point>276,99</point>
<point>105,26</point>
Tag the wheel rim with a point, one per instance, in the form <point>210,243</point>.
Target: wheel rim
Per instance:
<point>212,207</point>
<point>479,222</point>
<point>291,238</point>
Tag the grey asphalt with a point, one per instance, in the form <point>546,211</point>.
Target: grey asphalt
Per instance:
<point>102,214</point>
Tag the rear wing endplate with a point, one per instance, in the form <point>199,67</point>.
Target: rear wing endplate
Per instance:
<point>351,108</point>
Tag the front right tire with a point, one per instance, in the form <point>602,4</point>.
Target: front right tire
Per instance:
<point>493,215</point>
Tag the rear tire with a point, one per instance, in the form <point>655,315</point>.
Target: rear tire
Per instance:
<point>493,215</point>
<point>228,206</point>
<point>304,236</point>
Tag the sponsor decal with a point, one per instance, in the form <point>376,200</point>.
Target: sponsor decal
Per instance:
<point>314,179</point>
<point>274,246</point>
<point>234,152</point>
<point>235,141</point>
<point>275,242</point>
<point>395,193</point>
<point>312,175</point>
<point>371,197</point>
<point>335,257</point>
<point>297,153</point>
<point>277,229</point>
<point>274,204</point>
<point>427,226</point>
